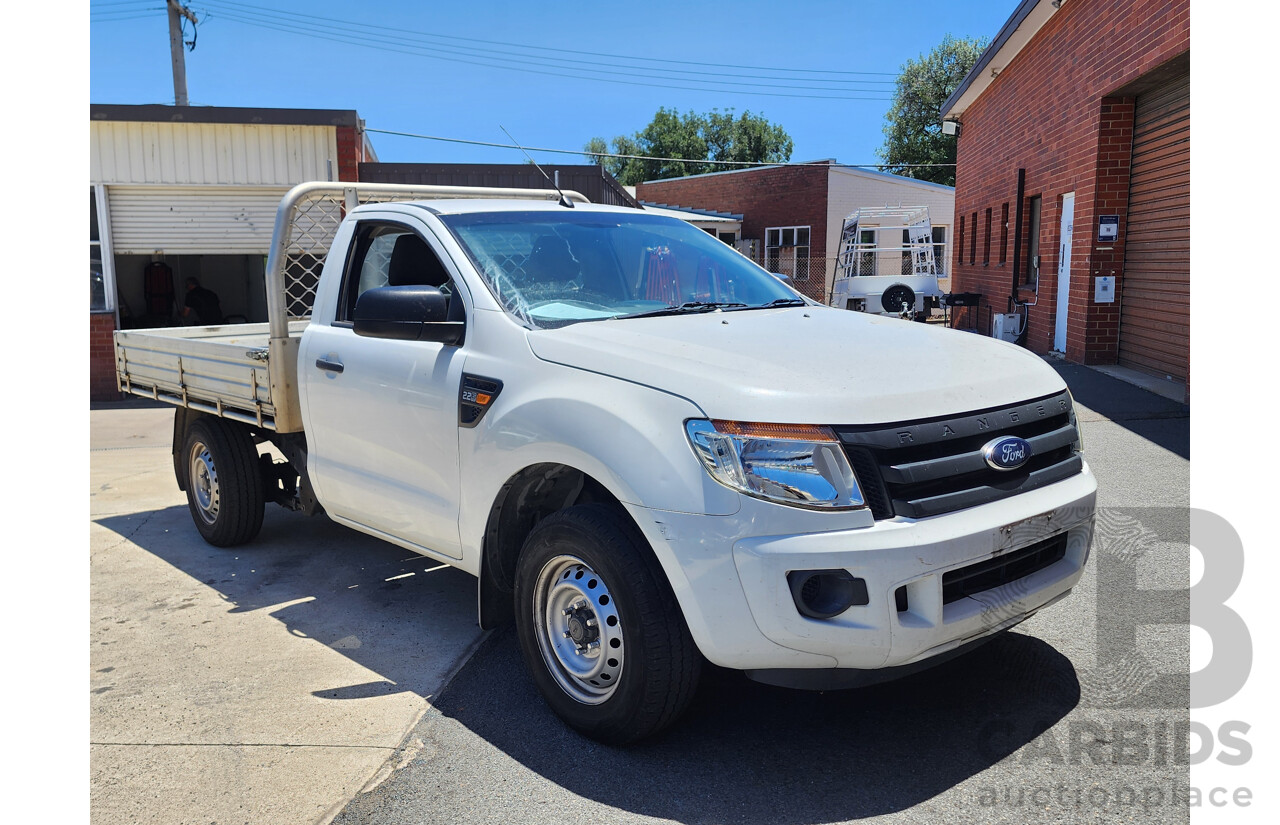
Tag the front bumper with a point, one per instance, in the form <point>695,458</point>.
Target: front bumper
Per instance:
<point>730,576</point>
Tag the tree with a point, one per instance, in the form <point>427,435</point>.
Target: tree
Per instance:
<point>913,125</point>
<point>692,139</point>
<point>749,138</point>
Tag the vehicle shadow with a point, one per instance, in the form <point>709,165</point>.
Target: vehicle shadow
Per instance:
<point>744,752</point>
<point>1161,421</point>
<point>751,753</point>
<point>403,616</point>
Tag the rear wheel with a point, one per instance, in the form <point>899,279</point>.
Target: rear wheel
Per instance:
<point>225,492</point>
<point>599,629</point>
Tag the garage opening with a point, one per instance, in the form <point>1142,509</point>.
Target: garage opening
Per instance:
<point>144,301</point>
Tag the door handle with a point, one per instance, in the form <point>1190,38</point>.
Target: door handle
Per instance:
<point>329,365</point>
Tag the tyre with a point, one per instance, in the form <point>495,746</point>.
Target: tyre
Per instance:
<point>600,630</point>
<point>224,485</point>
<point>898,297</point>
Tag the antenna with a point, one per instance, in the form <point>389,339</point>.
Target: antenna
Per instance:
<point>564,201</point>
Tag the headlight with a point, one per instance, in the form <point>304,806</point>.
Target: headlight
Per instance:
<point>798,464</point>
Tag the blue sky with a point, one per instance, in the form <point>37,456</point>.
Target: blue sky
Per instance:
<point>278,53</point>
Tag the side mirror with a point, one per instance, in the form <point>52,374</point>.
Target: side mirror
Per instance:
<point>407,313</point>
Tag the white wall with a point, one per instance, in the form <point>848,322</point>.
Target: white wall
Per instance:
<point>210,153</point>
<point>851,189</point>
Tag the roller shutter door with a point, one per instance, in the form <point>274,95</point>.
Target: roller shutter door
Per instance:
<point>1155,318</point>
<point>198,220</point>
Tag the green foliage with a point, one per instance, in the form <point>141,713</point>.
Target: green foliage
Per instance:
<point>692,139</point>
<point>913,125</point>
<point>598,146</point>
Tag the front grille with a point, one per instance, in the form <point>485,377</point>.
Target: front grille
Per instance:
<point>1007,568</point>
<point>926,468</point>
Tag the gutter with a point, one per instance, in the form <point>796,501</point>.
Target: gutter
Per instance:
<point>1006,33</point>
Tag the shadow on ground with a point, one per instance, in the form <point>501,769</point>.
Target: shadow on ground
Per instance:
<point>1161,421</point>
<point>405,617</point>
<point>750,753</point>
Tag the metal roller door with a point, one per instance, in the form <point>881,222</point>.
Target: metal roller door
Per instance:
<point>1155,318</point>
<point>198,220</point>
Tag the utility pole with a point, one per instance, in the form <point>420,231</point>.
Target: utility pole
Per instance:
<point>176,13</point>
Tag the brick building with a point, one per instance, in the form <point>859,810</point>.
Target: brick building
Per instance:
<point>1073,182</point>
<point>792,215</point>
<point>192,191</point>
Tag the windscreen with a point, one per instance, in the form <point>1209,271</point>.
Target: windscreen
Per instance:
<point>549,269</point>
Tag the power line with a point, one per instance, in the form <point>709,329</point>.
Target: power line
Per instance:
<point>381,45</point>
<point>116,14</point>
<point>132,16</point>
<point>580,52</point>
<point>583,152</point>
<point>505,55</point>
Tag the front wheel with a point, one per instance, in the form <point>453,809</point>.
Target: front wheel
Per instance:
<point>225,492</point>
<point>599,629</point>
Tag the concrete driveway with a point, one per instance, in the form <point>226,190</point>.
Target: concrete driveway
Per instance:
<point>268,683</point>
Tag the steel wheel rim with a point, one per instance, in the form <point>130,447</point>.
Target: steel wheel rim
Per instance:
<point>204,483</point>
<point>578,628</point>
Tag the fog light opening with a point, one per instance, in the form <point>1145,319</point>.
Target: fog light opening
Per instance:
<point>823,594</point>
<point>900,598</point>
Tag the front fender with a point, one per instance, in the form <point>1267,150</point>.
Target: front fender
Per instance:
<point>628,437</point>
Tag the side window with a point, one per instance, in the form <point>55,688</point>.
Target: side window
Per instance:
<point>388,254</point>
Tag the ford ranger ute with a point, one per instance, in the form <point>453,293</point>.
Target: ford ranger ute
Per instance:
<point>614,421</point>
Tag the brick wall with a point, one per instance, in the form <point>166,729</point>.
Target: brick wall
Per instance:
<point>1057,111</point>
<point>350,152</point>
<point>102,360</point>
<point>785,196</point>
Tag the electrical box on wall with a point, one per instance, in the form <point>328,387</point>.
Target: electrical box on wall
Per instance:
<point>1005,326</point>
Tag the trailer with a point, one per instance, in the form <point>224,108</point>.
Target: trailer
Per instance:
<point>886,264</point>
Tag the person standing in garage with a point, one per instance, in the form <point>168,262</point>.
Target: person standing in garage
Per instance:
<point>203,302</point>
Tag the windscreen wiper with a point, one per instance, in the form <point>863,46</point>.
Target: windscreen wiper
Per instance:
<point>783,302</point>
<point>687,307</point>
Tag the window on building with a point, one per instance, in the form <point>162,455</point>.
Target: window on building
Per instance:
<point>1032,278</point>
<point>973,238</point>
<point>98,301</point>
<point>867,258</point>
<point>1004,232</point>
<point>960,243</point>
<point>937,240</point>
<point>986,240</point>
<point>786,251</point>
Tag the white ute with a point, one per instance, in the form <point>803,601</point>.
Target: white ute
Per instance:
<point>601,414</point>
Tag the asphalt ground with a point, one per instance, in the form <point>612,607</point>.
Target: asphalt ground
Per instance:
<point>1070,717</point>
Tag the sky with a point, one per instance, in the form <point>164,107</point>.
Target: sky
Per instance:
<point>824,71</point>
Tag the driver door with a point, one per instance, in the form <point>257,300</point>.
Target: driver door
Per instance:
<point>383,414</point>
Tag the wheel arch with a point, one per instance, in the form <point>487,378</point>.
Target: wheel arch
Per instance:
<point>526,498</point>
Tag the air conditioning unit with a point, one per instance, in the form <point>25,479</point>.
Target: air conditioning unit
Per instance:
<point>1005,326</point>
